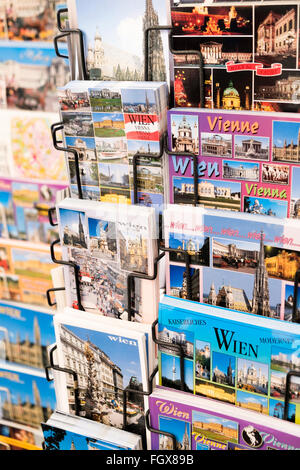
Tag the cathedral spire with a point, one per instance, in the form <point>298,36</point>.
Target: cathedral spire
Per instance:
<point>37,332</point>
<point>261,295</point>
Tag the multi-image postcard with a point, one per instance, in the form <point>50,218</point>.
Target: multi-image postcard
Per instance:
<point>250,54</point>
<point>201,424</point>
<point>238,359</point>
<point>247,162</point>
<point>24,205</point>
<point>34,21</point>
<point>25,271</point>
<point>107,242</point>
<point>30,74</point>
<point>247,265</point>
<point>107,123</point>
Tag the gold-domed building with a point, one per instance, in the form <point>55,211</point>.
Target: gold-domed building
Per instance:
<point>231,97</point>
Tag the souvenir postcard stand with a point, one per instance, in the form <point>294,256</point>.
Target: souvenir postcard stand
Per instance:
<point>164,148</point>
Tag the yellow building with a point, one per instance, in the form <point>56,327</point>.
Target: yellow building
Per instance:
<point>284,265</point>
<point>109,124</point>
<point>230,433</point>
<point>211,391</point>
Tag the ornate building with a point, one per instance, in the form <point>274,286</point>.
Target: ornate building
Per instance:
<point>216,427</point>
<point>251,376</point>
<point>185,142</point>
<point>231,98</point>
<point>75,238</point>
<point>174,337</point>
<point>216,145</point>
<point>32,414</point>
<point>182,291</point>
<point>84,153</point>
<point>212,54</point>
<point>222,378</point>
<point>107,374</point>
<point>284,89</point>
<point>33,354</point>
<point>288,152</point>
<point>261,295</point>
<point>277,34</point>
<point>95,57</point>
<point>229,297</point>
<point>284,265</point>
<point>252,149</point>
<point>240,172</point>
<point>232,251</point>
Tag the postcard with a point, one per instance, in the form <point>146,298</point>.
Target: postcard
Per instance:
<point>25,398</point>
<point>249,51</point>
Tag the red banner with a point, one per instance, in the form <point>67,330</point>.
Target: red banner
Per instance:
<point>275,69</point>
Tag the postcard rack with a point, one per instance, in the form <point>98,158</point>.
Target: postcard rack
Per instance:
<point>185,255</point>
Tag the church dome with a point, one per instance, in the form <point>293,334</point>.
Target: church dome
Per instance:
<point>184,124</point>
<point>231,91</point>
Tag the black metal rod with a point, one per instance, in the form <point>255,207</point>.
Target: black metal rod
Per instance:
<point>71,265</point>
<point>51,211</point>
<point>48,292</point>
<point>54,129</point>
<point>67,32</point>
<point>66,371</point>
<point>156,431</point>
<point>296,311</point>
<point>290,374</point>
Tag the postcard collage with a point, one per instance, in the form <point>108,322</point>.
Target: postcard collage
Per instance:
<point>107,242</point>
<point>244,265</point>
<point>108,124</point>
<point>27,398</point>
<point>246,163</point>
<point>230,358</point>
<point>30,71</point>
<point>250,53</point>
<point>198,425</point>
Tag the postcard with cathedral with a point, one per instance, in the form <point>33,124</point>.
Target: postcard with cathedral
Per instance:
<point>25,334</point>
<point>108,360</point>
<point>250,53</point>
<point>246,265</point>
<point>26,396</point>
<point>238,359</point>
<point>247,162</point>
<point>107,242</point>
<point>114,38</point>
<point>200,424</point>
